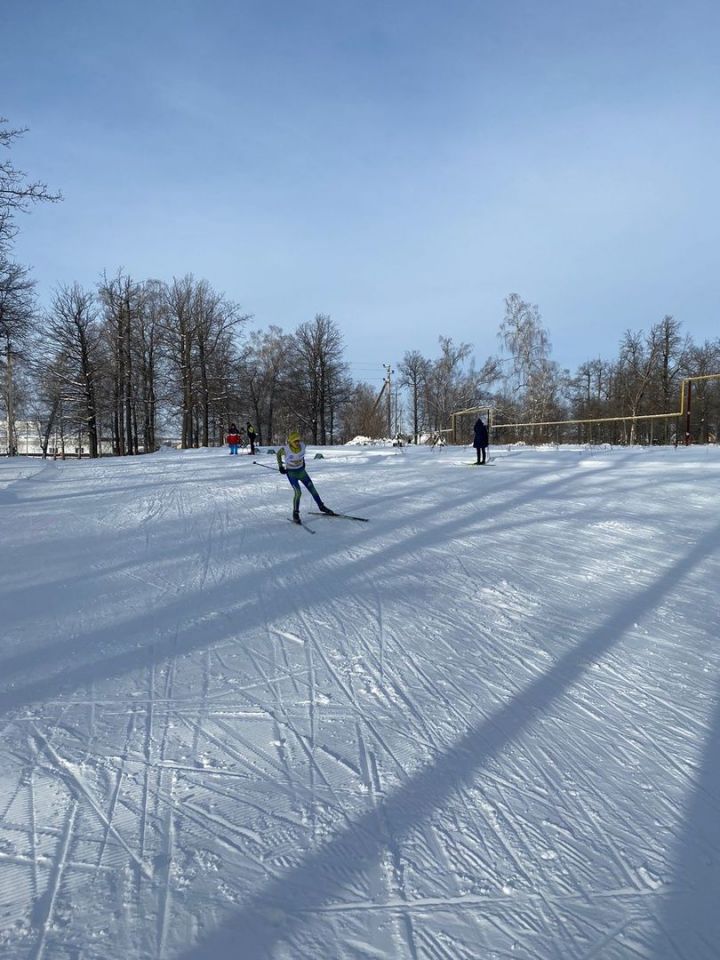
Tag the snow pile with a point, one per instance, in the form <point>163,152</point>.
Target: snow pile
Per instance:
<point>361,441</point>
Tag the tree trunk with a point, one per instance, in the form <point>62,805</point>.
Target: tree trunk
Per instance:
<point>11,445</point>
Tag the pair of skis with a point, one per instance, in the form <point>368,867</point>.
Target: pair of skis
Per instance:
<point>314,513</point>
<point>341,516</point>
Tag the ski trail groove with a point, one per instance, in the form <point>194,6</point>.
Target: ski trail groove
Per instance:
<point>54,883</point>
<point>77,787</point>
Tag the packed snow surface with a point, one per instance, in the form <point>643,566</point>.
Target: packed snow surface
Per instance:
<point>486,724</point>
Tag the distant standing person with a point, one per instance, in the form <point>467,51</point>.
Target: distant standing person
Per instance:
<point>480,441</point>
<point>233,439</point>
<point>250,430</point>
<point>294,468</point>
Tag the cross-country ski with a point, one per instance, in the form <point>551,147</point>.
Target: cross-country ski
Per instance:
<point>341,516</point>
<point>299,523</point>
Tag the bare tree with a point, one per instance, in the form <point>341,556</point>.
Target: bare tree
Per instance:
<point>74,335</point>
<point>638,358</point>
<point>532,381</point>
<point>319,356</point>
<point>266,374</point>
<point>340,394</point>
<point>589,394</point>
<point>16,192</point>
<point>448,385</point>
<point>147,358</point>
<point>200,329</point>
<point>671,360</point>
<point>179,335</point>
<point>45,405</point>
<point>704,360</point>
<point>363,416</point>
<point>17,310</point>
<point>524,338</point>
<point>414,370</point>
<point>216,323</point>
<point>121,298</point>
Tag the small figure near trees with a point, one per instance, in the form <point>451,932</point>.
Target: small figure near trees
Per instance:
<point>233,439</point>
<point>480,441</point>
<point>250,431</point>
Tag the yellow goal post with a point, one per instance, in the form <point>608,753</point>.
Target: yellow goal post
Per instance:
<point>463,421</point>
<point>460,430</point>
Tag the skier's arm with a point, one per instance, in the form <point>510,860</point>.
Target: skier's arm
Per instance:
<point>279,455</point>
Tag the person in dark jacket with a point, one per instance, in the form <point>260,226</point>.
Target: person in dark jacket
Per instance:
<point>233,439</point>
<point>250,431</point>
<point>480,441</point>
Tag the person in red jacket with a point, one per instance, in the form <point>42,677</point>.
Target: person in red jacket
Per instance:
<point>233,439</point>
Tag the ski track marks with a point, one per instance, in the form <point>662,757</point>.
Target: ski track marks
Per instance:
<point>141,811</point>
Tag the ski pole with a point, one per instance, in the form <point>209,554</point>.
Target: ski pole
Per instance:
<point>265,466</point>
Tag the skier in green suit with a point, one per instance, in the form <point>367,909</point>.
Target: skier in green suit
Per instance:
<point>294,469</point>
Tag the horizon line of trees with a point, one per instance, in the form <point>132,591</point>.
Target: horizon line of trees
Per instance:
<point>521,384</point>
<point>642,381</point>
<point>118,366</point>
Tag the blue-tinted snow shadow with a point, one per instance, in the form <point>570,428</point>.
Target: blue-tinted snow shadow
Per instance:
<point>689,921</point>
<point>122,647</point>
<point>126,647</point>
<point>143,638</point>
<point>273,913</point>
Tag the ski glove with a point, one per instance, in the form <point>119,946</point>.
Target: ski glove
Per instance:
<point>282,470</point>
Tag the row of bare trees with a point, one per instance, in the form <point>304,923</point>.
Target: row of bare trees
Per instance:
<point>524,385</point>
<point>297,379</point>
<point>118,366</point>
<point>645,380</point>
<point>642,381</point>
<point>122,364</point>
<point>435,388</point>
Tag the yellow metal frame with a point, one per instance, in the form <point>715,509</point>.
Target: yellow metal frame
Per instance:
<point>555,423</point>
<point>458,413</point>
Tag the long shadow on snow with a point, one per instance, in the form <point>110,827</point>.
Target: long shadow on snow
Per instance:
<point>490,484</point>
<point>132,638</point>
<point>274,911</point>
<point>689,922</point>
<point>452,763</point>
<point>133,632</point>
<point>123,488</point>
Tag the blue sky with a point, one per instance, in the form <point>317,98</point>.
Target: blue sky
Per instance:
<point>401,166</point>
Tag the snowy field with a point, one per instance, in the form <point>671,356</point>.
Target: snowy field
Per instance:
<point>486,724</point>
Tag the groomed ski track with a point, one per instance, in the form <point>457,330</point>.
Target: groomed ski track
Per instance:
<point>484,725</point>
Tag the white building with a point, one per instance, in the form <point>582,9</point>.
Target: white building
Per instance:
<point>28,440</point>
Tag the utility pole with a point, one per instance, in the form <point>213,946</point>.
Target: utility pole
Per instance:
<point>389,371</point>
